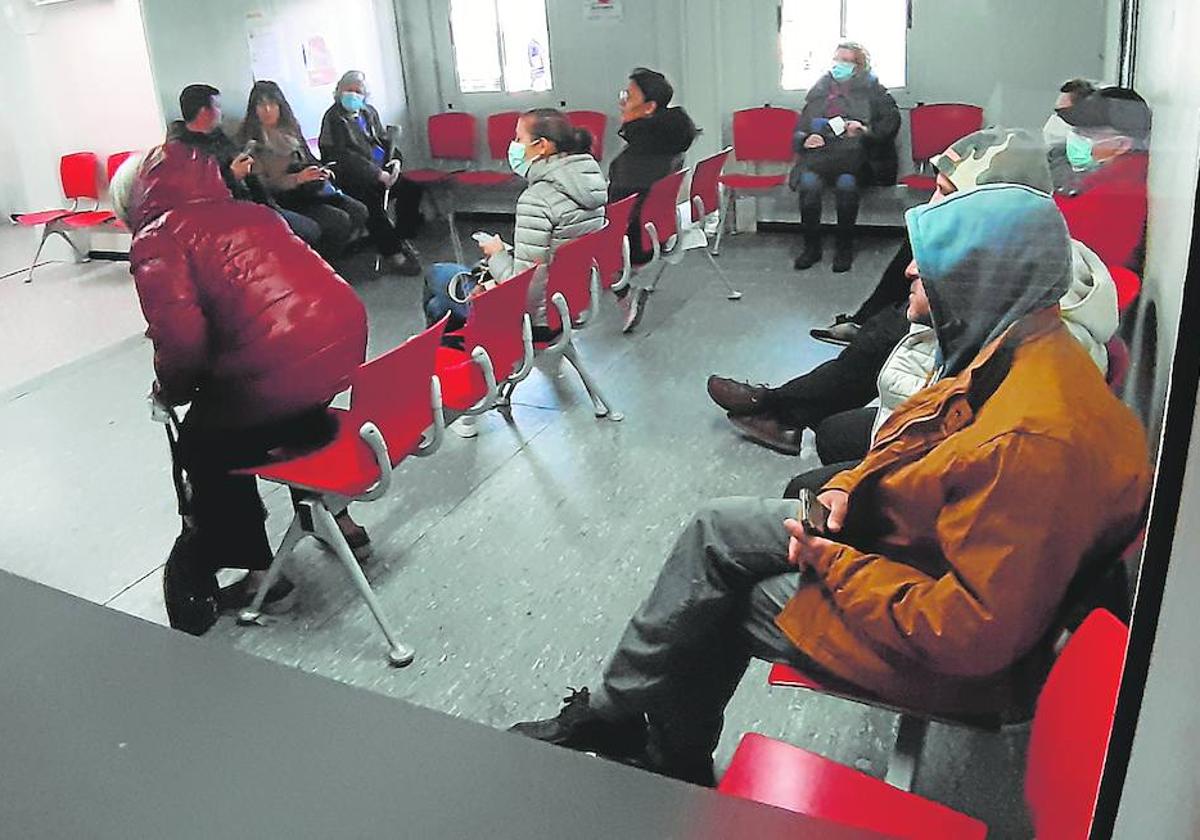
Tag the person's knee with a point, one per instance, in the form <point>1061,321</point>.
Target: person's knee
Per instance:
<point>846,183</point>
<point>810,182</point>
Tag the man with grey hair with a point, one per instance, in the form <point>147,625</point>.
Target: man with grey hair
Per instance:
<point>367,166</point>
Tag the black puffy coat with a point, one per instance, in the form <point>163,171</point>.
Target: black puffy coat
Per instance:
<point>871,157</point>
<point>344,143</point>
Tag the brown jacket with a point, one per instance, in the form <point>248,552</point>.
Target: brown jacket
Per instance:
<point>965,527</point>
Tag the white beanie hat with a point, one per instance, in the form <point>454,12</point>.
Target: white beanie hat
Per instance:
<point>120,188</point>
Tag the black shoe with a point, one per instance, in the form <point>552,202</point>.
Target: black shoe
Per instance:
<point>840,332</point>
<point>404,264</point>
<point>768,432</point>
<point>810,256</point>
<point>843,257</point>
<point>280,598</point>
<point>737,397</point>
<point>698,772</point>
<point>634,307</point>
<point>578,727</point>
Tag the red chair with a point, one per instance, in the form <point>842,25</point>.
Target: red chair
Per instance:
<point>1128,284</point>
<point>79,174</point>
<point>110,168</point>
<point>497,345</point>
<point>597,123</point>
<point>451,138</point>
<point>500,129</point>
<point>573,295</point>
<point>933,128</point>
<point>704,198</point>
<point>612,258</point>
<point>1066,756</point>
<point>395,411</point>
<point>760,135</point>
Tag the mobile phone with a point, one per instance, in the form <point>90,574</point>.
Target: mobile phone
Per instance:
<point>481,236</point>
<point>813,515</point>
<point>837,125</point>
<point>250,147</point>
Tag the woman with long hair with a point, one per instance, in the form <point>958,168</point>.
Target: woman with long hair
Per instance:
<point>292,173</point>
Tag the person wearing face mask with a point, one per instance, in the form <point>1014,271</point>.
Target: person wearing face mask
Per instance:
<point>367,167</point>
<point>938,579</point>
<point>892,356</point>
<point>292,174</point>
<point>656,138</point>
<point>564,199</point>
<point>1056,130</point>
<point>845,138</point>
<point>1100,173</point>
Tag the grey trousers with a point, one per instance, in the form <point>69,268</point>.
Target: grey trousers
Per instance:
<point>712,609</point>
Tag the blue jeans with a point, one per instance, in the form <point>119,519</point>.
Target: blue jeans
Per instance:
<point>845,188</point>
<point>436,300</point>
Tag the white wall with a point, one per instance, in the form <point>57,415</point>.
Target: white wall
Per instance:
<point>1159,799</point>
<point>193,41</point>
<point>78,76</point>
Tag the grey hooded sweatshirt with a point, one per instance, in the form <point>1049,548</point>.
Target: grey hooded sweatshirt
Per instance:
<point>564,200</point>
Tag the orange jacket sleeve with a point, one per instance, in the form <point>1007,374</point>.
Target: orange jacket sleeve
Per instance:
<point>1011,532</point>
<point>170,303</point>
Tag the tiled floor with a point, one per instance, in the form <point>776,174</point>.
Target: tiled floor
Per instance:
<point>511,561</point>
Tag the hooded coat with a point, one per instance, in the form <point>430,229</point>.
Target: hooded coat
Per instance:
<point>564,200</point>
<point>245,318</point>
<point>957,548</point>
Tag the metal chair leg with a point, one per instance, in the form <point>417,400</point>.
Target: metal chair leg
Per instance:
<point>716,251</point>
<point>906,754</point>
<point>328,531</point>
<point>733,294</point>
<point>600,404</point>
<point>294,534</point>
<point>455,242</point>
<point>662,268</point>
<point>41,245</point>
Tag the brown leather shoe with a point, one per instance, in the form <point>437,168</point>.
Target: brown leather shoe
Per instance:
<point>768,432</point>
<point>737,397</point>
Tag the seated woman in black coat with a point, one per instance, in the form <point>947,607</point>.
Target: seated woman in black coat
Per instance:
<point>845,138</point>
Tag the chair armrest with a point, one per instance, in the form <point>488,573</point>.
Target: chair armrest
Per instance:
<point>527,359</point>
<point>373,438</point>
<point>480,357</point>
<point>437,431</point>
<point>564,312</point>
<point>626,265</point>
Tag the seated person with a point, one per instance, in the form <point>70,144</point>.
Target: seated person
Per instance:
<point>368,167</point>
<point>656,137</point>
<point>201,129</point>
<point>564,199</point>
<point>845,138</point>
<point>1056,130</point>
<point>775,417</point>
<point>293,174</point>
<point>250,327</point>
<point>947,553</point>
<point>1100,174</point>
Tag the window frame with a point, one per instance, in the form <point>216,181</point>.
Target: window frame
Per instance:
<point>498,33</point>
<point>908,12</point>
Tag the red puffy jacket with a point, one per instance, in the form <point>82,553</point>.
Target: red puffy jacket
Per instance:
<point>1108,213</point>
<point>242,313</point>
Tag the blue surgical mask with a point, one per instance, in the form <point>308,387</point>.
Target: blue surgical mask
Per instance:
<point>1079,152</point>
<point>516,158</point>
<point>352,101</point>
<point>842,70</point>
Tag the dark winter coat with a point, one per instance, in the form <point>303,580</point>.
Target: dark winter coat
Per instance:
<point>344,143</point>
<point>244,317</point>
<point>872,157</point>
<point>218,144</point>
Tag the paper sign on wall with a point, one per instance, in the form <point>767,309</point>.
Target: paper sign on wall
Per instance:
<point>318,60</point>
<point>603,10</point>
<point>266,57</point>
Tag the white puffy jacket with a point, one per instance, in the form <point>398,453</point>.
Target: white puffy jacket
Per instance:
<point>564,200</point>
<point>1089,311</point>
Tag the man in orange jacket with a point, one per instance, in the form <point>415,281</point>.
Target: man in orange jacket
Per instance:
<point>948,550</point>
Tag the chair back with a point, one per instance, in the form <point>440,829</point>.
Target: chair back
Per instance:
<point>705,186</point>
<point>495,323</point>
<point>764,135</point>
<point>452,136</point>
<point>571,274</point>
<point>1071,728</point>
<point>501,128</point>
<point>114,163</point>
<point>610,257</point>
<point>659,208</point>
<point>80,174</point>
<point>935,127</point>
<point>1128,284</point>
<point>594,121</point>
<point>393,391</point>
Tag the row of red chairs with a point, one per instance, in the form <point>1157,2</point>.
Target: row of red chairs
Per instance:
<point>79,173</point>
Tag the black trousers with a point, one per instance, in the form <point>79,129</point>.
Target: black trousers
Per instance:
<point>849,381</point>
<point>406,199</point>
<point>228,514</point>
<point>891,290</point>
<point>845,436</point>
<point>815,479</point>
<point>338,216</point>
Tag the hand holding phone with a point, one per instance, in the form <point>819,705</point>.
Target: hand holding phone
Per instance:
<point>837,125</point>
<point>813,515</point>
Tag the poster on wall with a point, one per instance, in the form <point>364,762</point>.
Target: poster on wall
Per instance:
<point>597,10</point>
<point>318,61</point>
<point>266,56</point>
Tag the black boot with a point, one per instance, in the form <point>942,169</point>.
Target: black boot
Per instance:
<point>579,727</point>
<point>810,221</point>
<point>811,255</point>
<point>843,254</point>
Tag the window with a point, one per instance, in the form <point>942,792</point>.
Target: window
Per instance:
<point>809,31</point>
<point>500,45</point>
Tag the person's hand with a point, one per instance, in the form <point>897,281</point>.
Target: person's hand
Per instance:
<point>476,292</point>
<point>310,174</point>
<point>803,547</point>
<point>387,178</point>
<point>854,128</point>
<point>491,247</point>
<point>814,141</point>
<point>835,502</point>
<point>241,165</point>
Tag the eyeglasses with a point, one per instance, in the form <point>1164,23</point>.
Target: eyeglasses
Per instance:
<point>623,96</point>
